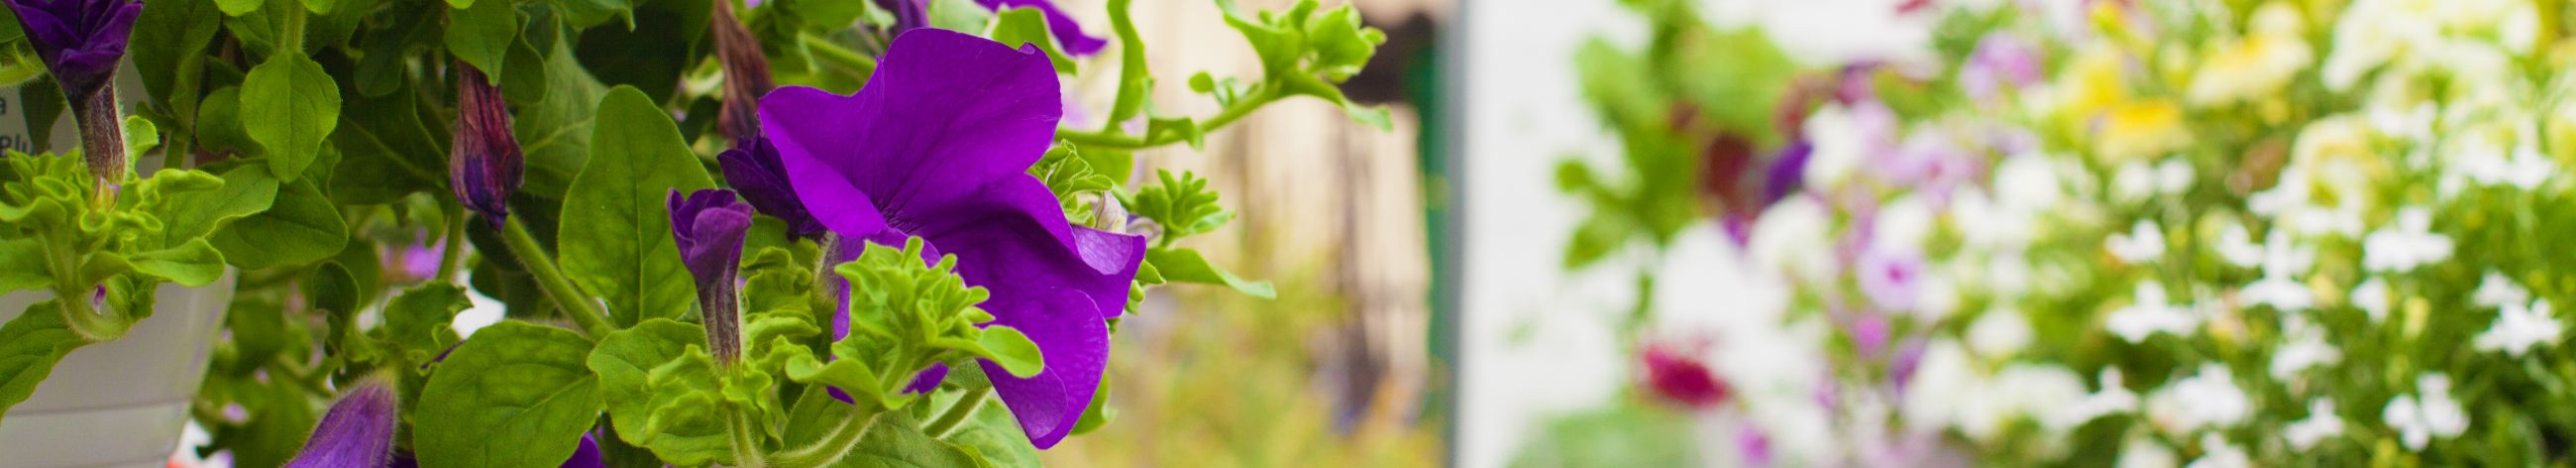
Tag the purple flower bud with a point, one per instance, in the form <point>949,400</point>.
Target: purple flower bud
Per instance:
<point>358,432</point>
<point>483,159</point>
<point>753,167</point>
<point>80,41</point>
<point>587,456</point>
<point>746,73</point>
<point>708,226</point>
<point>908,14</point>
<point>1788,171</point>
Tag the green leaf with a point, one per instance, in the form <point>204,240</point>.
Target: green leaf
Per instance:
<point>896,441</point>
<point>193,264</point>
<point>237,7</point>
<point>516,394</point>
<point>302,227</point>
<point>219,123</point>
<point>29,347</point>
<point>1028,25</point>
<point>582,14</point>
<point>616,238</point>
<point>997,437</point>
<point>1012,349</point>
<point>625,361</point>
<point>248,190</point>
<point>289,105</point>
<point>480,33</point>
<point>418,322</point>
<point>166,35</point>
<point>1186,266</point>
<point>22,265</point>
<point>850,375</point>
<point>555,132</point>
<point>959,15</point>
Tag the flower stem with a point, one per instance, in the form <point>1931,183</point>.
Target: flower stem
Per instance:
<point>957,413</point>
<point>1120,140</point>
<point>746,447</point>
<point>454,248</point>
<point>834,52</point>
<point>834,445</point>
<point>551,279</point>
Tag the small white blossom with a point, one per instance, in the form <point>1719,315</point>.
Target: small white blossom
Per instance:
<point>2236,245</point>
<point>2283,261</point>
<point>2428,414</point>
<point>2498,290</point>
<point>2209,398</point>
<point>2217,453</point>
<point>1999,333</point>
<point>2151,314</point>
<point>2305,347</point>
<point>2405,244</point>
<point>2519,328</point>
<point>2141,452</point>
<point>2114,398</point>
<point>2372,297</point>
<point>2320,425</point>
<point>2145,241</point>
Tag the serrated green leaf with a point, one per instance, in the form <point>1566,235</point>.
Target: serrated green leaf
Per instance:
<point>1186,266</point>
<point>303,226</point>
<point>515,394</point>
<point>29,346</point>
<point>480,33</point>
<point>616,235</point>
<point>1012,349</point>
<point>289,105</point>
<point>625,361</point>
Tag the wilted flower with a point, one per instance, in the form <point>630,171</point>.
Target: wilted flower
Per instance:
<point>483,159</point>
<point>357,432</point>
<point>709,226</point>
<point>2427,414</point>
<point>937,146</point>
<point>746,73</point>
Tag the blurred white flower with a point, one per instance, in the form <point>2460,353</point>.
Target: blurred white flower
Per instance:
<point>2217,453</point>
<point>2304,347</point>
<point>2412,123</point>
<point>2034,391</point>
<point>2150,313</point>
<point>2320,425</point>
<point>2144,241</point>
<point>1999,333</point>
<point>2114,398</point>
<point>2283,261</point>
<point>2236,245</point>
<point>1842,142</point>
<point>2427,414</point>
<point>1795,236</point>
<point>2487,163</point>
<point>2372,297</point>
<point>2406,243</point>
<point>1945,388</point>
<point>2028,183</point>
<point>2496,290</point>
<point>1902,224</point>
<point>2142,452</point>
<point>2519,328</point>
<point>2208,398</point>
<point>2292,205</point>
<point>2373,32</point>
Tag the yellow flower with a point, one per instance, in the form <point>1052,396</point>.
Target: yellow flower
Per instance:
<point>2255,66</point>
<point>2141,129</point>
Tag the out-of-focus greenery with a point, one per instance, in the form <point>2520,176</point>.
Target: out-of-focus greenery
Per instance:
<point>1230,380</point>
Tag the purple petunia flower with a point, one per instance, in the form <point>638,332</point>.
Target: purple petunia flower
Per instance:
<point>709,226</point>
<point>483,159</point>
<point>587,456</point>
<point>937,146</point>
<point>752,166</point>
<point>357,432</point>
<point>79,40</point>
<point>910,14</point>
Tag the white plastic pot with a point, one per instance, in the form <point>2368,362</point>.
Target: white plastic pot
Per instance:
<point>121,403</point>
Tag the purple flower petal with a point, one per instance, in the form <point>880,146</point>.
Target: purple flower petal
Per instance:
<point>938,145</point>
<point>484,164</point>
<point>708,227</point>
<point>753,168</point>
<point>80,41</point>
<point>1067,31</point>
<point>358,432</point>
<point>587,456</point>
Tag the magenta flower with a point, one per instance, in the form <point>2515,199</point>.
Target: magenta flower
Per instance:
<point>709,226</point>
<point>357,432</point>
<point>937,146</point>
<point>1677,376</point>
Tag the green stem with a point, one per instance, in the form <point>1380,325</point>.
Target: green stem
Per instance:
<point>1132,77</point>
<point>454,245</point>
<point>551,279</point>
<point>292,35</point>
<point>1120,140</point>
<point>746,447</point>
<point>842,55</point>
<point>957,413</point>
<point>834,445</point>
